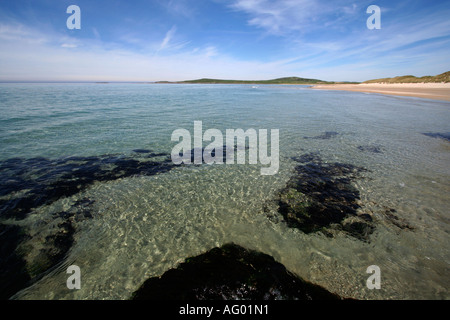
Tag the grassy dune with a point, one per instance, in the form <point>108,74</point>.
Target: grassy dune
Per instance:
<point>444,77</point>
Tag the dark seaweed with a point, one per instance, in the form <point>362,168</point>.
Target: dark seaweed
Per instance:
<point>27,184</point>
<point>142,151</point>
<point>13,273</point>
<point>225,151</point>
<point>325,136</point>
<point>320,195</point>
<point>372,149</point>
<point>230,272</point>
<point>45,181</point>
<point>391,217</point>
<point>442,135</point>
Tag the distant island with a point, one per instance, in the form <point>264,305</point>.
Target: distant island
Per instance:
<point>443,77</point>
<point>286,80</point>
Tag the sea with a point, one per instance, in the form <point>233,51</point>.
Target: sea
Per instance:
<point>87,179</point>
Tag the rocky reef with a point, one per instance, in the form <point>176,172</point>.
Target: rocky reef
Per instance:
<point>320,197</point>
<point>441,135</point>
<point>324,136</point>
<point>371,149</point>
<point>28,184</point>
<point>31,183</point>
<point>230,272</point>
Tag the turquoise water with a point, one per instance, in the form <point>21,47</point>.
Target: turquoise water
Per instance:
<point>143,224</point>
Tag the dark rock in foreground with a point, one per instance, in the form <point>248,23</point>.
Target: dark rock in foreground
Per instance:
<point>13,274</point>
<point>230,273</point>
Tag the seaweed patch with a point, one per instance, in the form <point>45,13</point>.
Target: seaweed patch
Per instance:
<point>230,272</point>
<point>13,273</point>
<point>27,255</point>
<point>30,183</point>
<point>442,135</point>
<point>325,136</point>
<point>224,151</point>
<point>371,149</point>
<point>390,215</point>
<point>320,196</point>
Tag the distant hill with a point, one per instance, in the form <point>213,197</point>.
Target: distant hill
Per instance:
<point>286,80</point>
<point>444,77</point>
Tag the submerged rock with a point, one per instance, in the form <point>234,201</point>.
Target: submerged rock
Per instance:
<point>142,151</point>
<point>441,135</point>
<point>371,149</point>
<point>230,272</point>
<point>325,136</point>
<point>13,273</point>
<point>224,151</point>
<point>390,215</point>
<point>321,195</point>
<point>30,183</point>
<point>357,228</point>
<point>27,255</point>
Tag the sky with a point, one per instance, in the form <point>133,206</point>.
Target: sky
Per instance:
<point>173,40</point>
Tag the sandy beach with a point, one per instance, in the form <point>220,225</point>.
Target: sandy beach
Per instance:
<point>435,91</point>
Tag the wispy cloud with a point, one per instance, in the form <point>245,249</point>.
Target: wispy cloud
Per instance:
<point>277,17</point>
<point>96,33</point>
<point>282,17</point>
<point>182,8</point>
<point>68,45</point>
<point>20,32</point>
<point>242,39</point>
<point>49,61</point>
<point>333,36</point>
<point>167,38</point>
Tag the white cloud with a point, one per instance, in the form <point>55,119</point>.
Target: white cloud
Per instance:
<point>282,17</point>
<point>168,38</point>
<point>278,17</point>
<point>19,32</point>
<point>68,45</point>
<point>211,51</point>
<point>96,33</point>
<point>83,60</point>
<point>28,54</point>
<point>182,8</point>
<point>350,9</point>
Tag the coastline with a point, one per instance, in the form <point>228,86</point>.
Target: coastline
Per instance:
<point>434,91</point>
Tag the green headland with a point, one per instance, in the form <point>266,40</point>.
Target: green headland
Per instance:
<point>285,80</point>
<point>444,77</point>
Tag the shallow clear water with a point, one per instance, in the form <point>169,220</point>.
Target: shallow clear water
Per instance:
<point>143,225</point>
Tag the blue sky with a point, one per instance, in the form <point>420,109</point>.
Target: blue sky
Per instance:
<point>230,39</point>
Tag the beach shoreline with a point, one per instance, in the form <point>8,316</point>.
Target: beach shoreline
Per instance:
<point>434,91</point>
